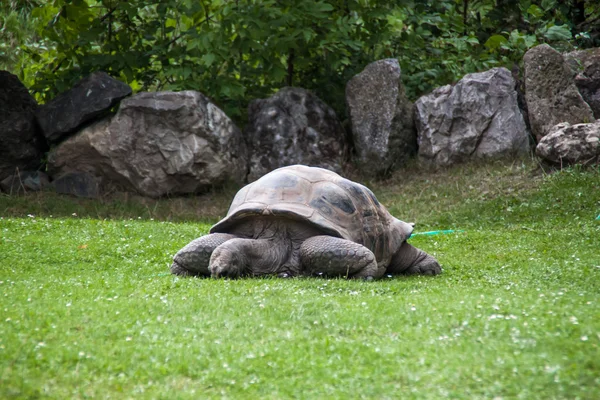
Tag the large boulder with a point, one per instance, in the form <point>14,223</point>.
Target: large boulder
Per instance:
<point>586,65</point>
<point>21,144</point>
<point>89,99</point>
<point>551,94</point>
<point>157,144</point>
<point>293,127</point>
<point>477,118</point>
<point>383,131</point>
<point>568,144</point>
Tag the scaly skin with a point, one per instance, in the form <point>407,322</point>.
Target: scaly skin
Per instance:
<point>318,255</point>
<point>242,257</point>
<point>194,258</point>
<point>409,260</point>
<point>331,256</point>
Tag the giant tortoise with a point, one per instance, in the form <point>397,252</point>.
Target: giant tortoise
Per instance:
<point>301,220</point>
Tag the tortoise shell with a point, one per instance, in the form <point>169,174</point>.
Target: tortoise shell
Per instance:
<point>337,206</point>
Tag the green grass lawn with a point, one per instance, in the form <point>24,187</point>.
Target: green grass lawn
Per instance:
<point>89,311</point>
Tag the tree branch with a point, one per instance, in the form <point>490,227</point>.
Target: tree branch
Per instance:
<point>182,34</point>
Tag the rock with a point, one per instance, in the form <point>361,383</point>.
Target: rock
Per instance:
<point>25,181</point>
<point>293,127</point>
<point>90,98</point>
<point>477,118</point>
<point>381,116</point>
<point>157,144</point>
<point>80,184</point>
<point>551,94</point>
<point>21,144</point>
<point>568,144</point>
<point>586,65</point>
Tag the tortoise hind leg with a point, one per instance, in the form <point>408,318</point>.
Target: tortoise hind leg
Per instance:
<point>193,259</point>
<point>331,256</point>
<point>409,260</point>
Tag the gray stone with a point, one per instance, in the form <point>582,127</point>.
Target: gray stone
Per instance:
<point>293,127</point>
<point>383,131</point>
<point>568,144</point>
<point>157,144</point>
<point>551,94</point>
<point>477,118</point>
<point>88,100</point>
<point>21,144</point>
<point>586,65</point>
<point>25,181</point>
<point>80,184</point>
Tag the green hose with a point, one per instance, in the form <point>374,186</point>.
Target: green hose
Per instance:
<point>431,233</point>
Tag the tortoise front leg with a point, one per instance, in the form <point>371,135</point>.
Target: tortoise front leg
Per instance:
<point>193,259</point>
<point>331,256</point>
<point>409,260</point>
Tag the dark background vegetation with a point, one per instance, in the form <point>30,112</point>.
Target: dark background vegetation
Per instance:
<point>238,50</point>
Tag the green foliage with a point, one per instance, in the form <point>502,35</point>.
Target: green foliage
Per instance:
<point>16,31</point>
<point>232,51</point>
<point>236,51</point>
<point>439,42</point>
<point>89,311</point>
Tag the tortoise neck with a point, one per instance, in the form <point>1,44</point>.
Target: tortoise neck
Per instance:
<point>264,256</point>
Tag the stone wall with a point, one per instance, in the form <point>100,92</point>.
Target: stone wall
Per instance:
<point>171,143</point>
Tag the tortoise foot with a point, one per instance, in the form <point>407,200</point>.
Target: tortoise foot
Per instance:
<point>409,260</point>
<point>193,259</point>
<point>331,256</point>
<point>429,266</point>
<point>177,269</point>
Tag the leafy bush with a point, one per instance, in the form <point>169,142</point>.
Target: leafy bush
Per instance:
<point>235,51</point>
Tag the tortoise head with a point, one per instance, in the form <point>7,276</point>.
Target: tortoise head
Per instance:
<point>401,230</point>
